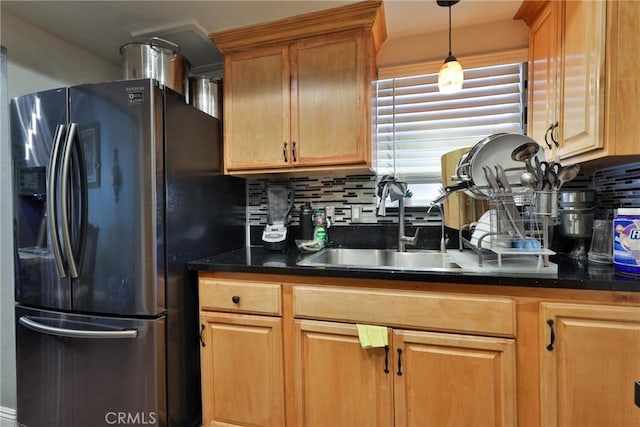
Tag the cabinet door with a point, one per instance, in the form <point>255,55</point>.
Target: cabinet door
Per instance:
<point>623,78</point>
<point>582,76</point>
<point>543,71</point>
<point>337,382</point>
<point>330,118</point>
<point>242,370</point>
<point>454,380</point>
<point>588,374</point>
<point>256,114</point>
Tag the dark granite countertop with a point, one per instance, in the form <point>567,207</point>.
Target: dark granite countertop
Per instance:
<point>571,274</point>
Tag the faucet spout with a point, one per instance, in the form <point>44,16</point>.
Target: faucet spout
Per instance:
<point>390,187</point>
<point>443,238</point>
<point>404,241</point>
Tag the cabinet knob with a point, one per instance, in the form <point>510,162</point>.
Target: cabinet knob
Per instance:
<point>235,299</point>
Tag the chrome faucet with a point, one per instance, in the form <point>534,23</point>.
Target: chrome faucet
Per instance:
<point>443,239</point>
<point>390,187</point>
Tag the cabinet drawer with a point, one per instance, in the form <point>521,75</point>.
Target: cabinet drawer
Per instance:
<point>240,297</point>
<point>412,309</point>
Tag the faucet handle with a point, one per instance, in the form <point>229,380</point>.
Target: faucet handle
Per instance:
<point>411,241</point>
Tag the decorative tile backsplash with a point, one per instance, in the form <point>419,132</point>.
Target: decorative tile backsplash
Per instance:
<point>342,192</point>
<point>616,187</point>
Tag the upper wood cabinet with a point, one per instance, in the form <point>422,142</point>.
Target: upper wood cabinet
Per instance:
<point>582,71</point>
<point>578,72</point>
<point>544,42</point>
<point>589,362</point>
<point>299,93</point>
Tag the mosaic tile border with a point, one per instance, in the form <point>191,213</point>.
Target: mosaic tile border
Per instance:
<point>616,187</point>
<point>347,194</point>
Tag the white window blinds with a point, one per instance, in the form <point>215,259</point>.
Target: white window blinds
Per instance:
<point>417,124</point>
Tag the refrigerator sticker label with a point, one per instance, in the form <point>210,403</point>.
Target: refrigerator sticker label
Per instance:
<point>135,95</point>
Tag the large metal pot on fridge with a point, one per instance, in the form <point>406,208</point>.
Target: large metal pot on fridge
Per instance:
<point>158,59</point>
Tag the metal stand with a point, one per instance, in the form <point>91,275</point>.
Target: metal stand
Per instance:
<point>519,225</point>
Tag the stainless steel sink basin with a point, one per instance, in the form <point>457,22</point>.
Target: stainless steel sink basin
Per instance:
<point>381,259</point>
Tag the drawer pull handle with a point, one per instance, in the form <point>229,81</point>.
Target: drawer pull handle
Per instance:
<point>399,362</point>
<point>293,151</point>
<point>284,152</point>
<point>235,299</point>
<point>386,359</point>
<point>202,336</point>
<point>553,335</point>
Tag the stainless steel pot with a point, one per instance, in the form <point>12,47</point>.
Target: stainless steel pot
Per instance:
<point>157,59</point>
<point>576,209</point>
<point>205,94</point>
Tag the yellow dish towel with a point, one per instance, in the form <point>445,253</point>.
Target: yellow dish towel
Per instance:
<point>372,336</point>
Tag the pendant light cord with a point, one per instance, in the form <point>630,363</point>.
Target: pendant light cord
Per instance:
<point>449,30</point>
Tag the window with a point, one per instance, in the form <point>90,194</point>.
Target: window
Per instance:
<point>417,124</point>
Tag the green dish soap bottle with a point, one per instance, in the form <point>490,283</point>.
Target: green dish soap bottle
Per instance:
<point>320,230</point>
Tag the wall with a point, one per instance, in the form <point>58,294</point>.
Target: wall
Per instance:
<point>39,61</point>
<point>476,40</point>
<point>35,61</point>
<point>7,359</point>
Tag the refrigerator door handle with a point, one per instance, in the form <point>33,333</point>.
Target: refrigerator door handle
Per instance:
<point>64,199</point>
<point>52,198</point>
<point>76,333</point>
<point>82,208</point>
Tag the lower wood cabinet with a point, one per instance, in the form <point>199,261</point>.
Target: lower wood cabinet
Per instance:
<point>242,370</point>
<point>589,362</point>
<point>453,380</point>
<point>337,383</point>
<point>420,379</point>
<point>279,353</point>
<point>241,353</point>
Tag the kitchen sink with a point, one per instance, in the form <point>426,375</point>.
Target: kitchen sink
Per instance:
<point>381,259</point>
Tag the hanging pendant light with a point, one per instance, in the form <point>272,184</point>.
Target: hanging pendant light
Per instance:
<point>451,75</point>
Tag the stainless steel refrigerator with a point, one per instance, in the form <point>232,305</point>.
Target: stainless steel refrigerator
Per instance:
<point>116,187</point>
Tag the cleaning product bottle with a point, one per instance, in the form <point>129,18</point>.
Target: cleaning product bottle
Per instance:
<point>320,229</point>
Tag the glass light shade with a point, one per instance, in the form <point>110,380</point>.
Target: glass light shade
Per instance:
<point>450,76</point>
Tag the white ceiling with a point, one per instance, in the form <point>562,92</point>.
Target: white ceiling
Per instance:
<point>101,27</point>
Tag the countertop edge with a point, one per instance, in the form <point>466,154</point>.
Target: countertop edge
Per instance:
<point>259,261</point>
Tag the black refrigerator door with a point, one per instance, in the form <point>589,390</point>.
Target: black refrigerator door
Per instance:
<point>120,131</point>
<point>85,371</point>
<point>40,276</point>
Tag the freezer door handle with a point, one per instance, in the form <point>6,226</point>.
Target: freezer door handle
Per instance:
<point>52,199</point>
<point>76,333</point>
